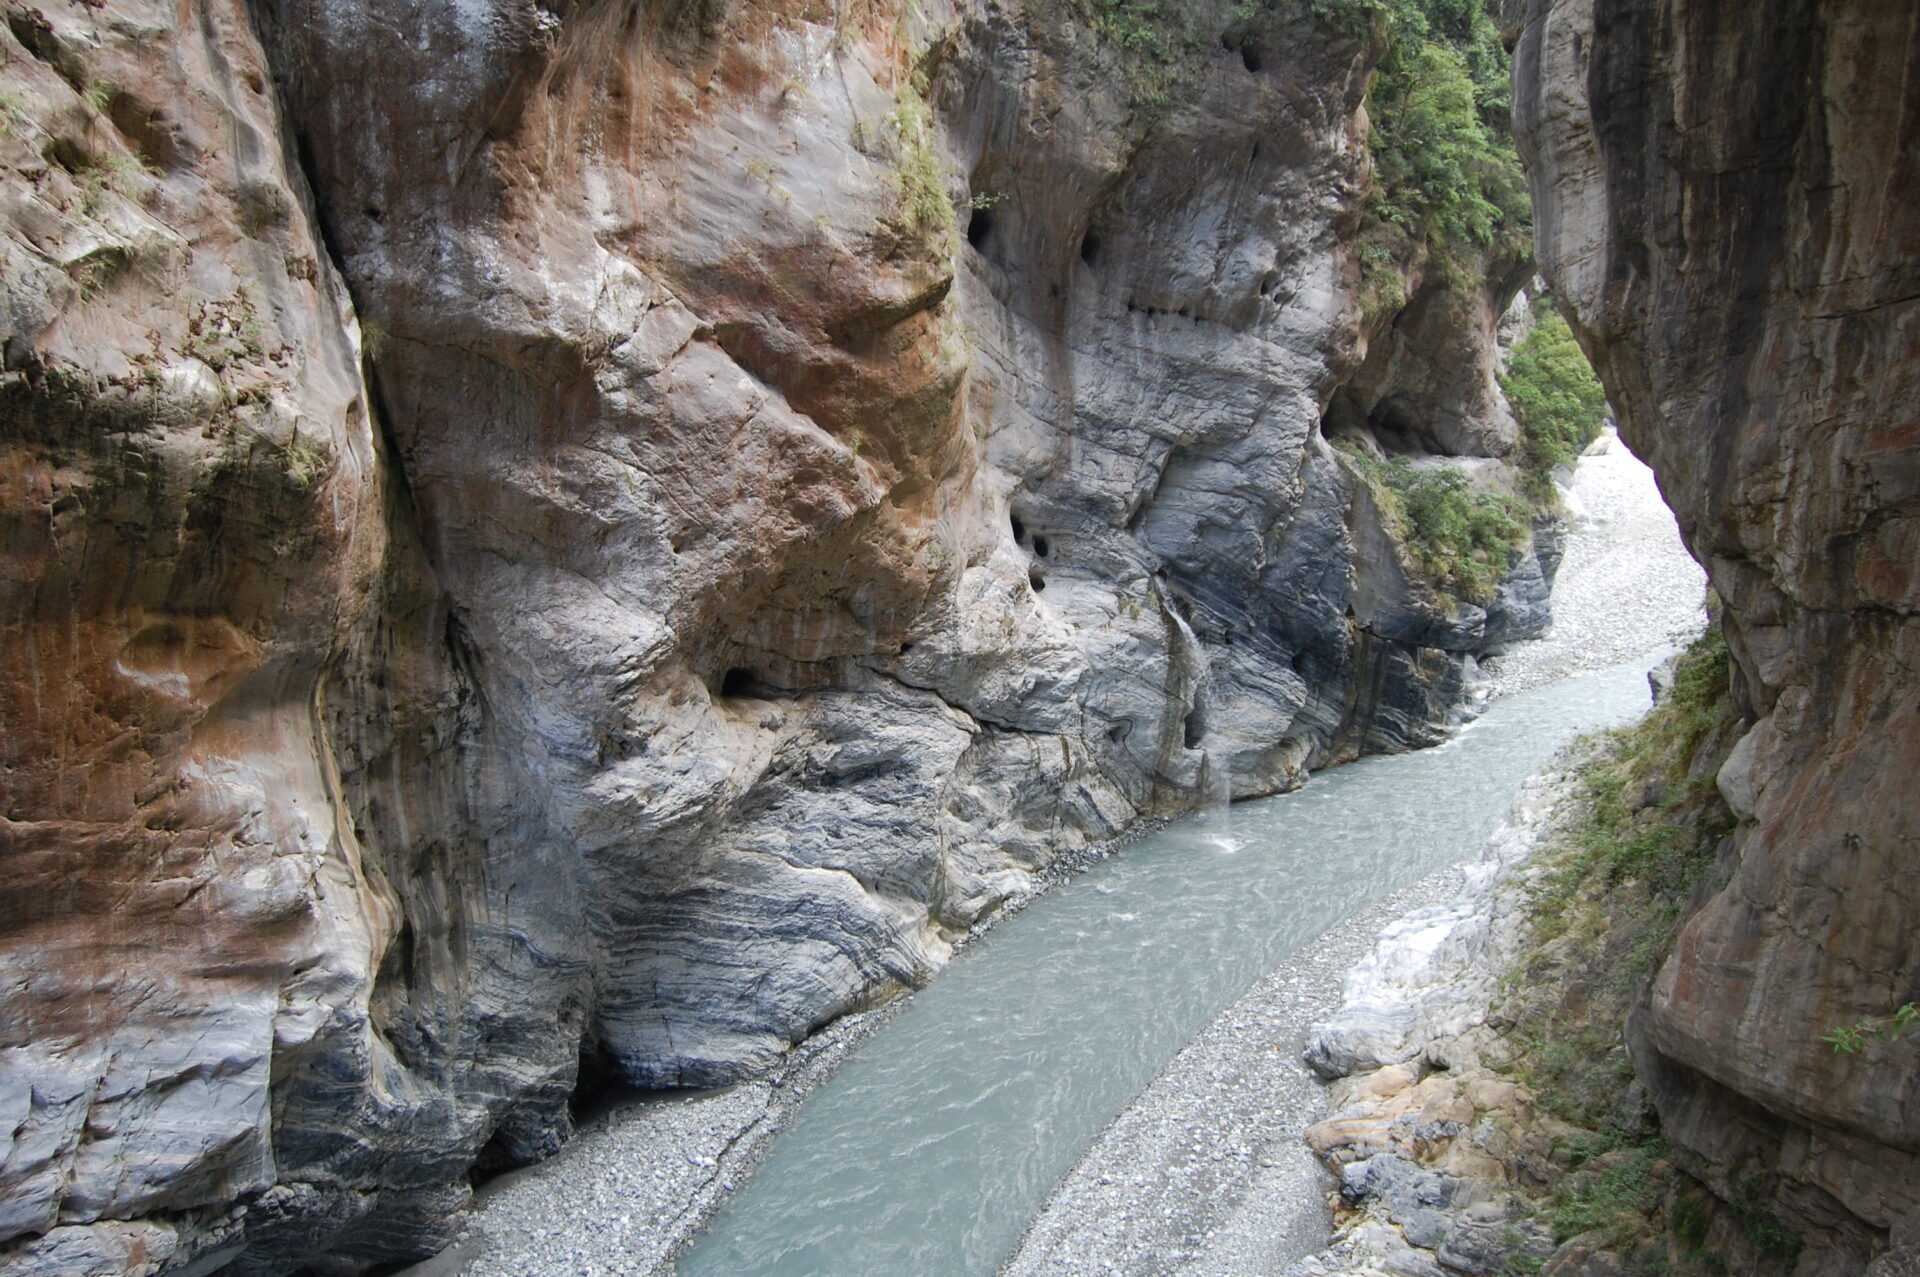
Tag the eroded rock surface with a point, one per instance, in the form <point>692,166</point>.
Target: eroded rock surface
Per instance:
<point>535,531</point>
<point>1724,194</point>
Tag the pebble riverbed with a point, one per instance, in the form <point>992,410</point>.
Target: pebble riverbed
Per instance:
<point>1205,1171</point>
<point>1626,584</point>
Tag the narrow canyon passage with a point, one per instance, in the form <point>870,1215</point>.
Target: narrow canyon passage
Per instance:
<point>932,1147</point>
<point>986,1105</point>
<point>560,556</point>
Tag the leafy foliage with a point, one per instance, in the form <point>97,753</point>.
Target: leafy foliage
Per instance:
<point>1613,1198</point>
<point>1153,38</point>
<point>1460,538</point>
<point>1446,178</point>
<point>1852,1039</point>
<point>1559,402</point>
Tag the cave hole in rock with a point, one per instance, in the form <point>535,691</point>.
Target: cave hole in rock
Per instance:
<point>737,682</point>
<point>1090,248</point>
<point>980,228</point>
<point>1019,529</point>
<point>905,648</point>
<point>1037,581</point>
<point>1194,729</point>
<point>1250,57</point>
<point>1040,546</point>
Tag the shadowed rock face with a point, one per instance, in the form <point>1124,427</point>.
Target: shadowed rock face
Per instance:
<point>722,586</point>
<point>1725,193</point>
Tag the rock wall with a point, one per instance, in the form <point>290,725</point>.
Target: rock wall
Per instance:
<point>1723,193</point>
<point>536,532</point>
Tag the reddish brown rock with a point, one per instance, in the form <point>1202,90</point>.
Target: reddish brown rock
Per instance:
<point>1724,194</point>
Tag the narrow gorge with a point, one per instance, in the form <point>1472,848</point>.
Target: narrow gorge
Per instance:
<point>558,545</point>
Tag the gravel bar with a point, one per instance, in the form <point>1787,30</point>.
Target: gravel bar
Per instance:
<point>1205,1171</point>
<point>1626,584</point>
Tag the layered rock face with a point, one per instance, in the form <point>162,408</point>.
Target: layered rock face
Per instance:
<point>537,531</point>
<point>1724,193</point>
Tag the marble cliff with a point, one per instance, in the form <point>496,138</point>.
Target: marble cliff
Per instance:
<point>1725,194</point>
<point>543,532</point>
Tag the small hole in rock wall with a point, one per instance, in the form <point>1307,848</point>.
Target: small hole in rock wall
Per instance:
<point>980,227</point>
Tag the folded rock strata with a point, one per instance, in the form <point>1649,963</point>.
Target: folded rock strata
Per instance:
<point>529,536</point>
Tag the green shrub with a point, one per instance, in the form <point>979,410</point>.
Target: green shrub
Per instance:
<point>1852,1039</point>
<point>1761,1226</point>
<point>1613,1201</point>
<point>1557,400</point>
<point>1446,177</point>
<point>1153,39</point>
<point>1460,539</point>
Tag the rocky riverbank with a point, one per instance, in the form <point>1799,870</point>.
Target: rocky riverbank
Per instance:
<point>1191,1172</point>
<point>1205,1172</point>
<point>1428,1132</point>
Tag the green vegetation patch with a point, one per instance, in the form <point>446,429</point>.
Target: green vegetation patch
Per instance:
<point>1852,1039</point>
<point>924,203</point>
<point>1612,1195</point>
<point>1155,39</point>
<point>1459,538</point>
<point>1605,897</point>
<point>1447,181</point>
<point>1556,398</point>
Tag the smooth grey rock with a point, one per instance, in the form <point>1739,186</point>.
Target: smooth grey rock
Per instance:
<point>1400,1186</point>
<point>1486,1249</point>
<point>1660,678</point>
<point>1735,779</point>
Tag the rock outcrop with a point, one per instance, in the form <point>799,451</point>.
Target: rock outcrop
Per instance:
<point>621,530</point>
<point>1724,196</point>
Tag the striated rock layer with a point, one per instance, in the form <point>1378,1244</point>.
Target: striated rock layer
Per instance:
<point>1724,194</point>
<point>535,531</point>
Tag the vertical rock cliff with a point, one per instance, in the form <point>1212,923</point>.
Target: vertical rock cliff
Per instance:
<point>622,529</point>
<point>1725,196</point>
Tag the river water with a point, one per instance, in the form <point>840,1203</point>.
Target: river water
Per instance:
<point>937,1141</point>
